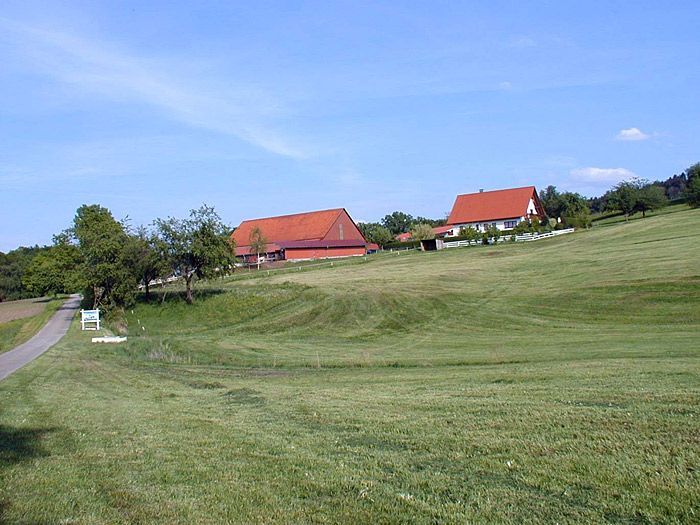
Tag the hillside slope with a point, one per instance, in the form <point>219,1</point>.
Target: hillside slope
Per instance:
<point>617,291</point>
<point>551,382</point>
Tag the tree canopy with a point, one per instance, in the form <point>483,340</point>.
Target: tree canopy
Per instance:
<point>196,247</point>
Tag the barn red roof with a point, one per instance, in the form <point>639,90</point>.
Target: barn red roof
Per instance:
<point>297,227</point>
<point>491,205</point>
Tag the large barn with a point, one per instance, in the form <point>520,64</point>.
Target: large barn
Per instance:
<point>504,209</point>
<point>302,236</point>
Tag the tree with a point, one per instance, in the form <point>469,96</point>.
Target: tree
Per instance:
<point>102,243</point>
<point>144,255</point>
<point>492,232</point>
<point>649,198</point>
<point>692,192</point>
<point>551,201</point>
<point>575,211</point>
<point>196,247</point>
<point>56,269</point>
<point>258,243</point>
<point>375,232</point>
<point>624,197</point>
<point>432,222</point>
<point>422,232</point>
<point>469,233</point>
<point>398,222</point>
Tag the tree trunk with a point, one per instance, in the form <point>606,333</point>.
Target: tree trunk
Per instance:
<point>148,291</point>
<point>188,286</point>
<point>644,214</point>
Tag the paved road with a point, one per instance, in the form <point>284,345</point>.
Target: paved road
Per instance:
<point>48,336</point>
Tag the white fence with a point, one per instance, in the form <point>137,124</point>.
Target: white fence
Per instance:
<point>526,237</point>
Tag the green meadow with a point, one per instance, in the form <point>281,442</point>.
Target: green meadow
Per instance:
<point>548,382</point>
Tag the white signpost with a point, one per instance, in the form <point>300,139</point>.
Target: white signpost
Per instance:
<point>89,319</point>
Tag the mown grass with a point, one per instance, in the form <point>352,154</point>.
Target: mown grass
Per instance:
<point>556,381</point>
<point>14,333</point>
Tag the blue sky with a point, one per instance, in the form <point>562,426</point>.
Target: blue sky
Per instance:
<point>265,108</point>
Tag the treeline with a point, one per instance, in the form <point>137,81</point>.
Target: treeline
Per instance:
<point>106,260</point>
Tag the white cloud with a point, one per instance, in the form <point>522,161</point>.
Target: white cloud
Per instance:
<point>92,67</point>
<point>632,134</point>
<point>522,42</point>
<point>592,174</point>
<point>505,86</point>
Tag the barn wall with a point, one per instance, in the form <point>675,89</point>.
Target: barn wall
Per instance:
<point>350,231</point>
<point>321,253</point>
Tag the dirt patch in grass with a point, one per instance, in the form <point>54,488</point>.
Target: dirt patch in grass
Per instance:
<point>12,310</point>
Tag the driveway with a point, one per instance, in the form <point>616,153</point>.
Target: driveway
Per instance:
<point>48,336</point>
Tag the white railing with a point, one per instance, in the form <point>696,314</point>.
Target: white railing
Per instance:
<point>538,236</point>
<point>506,236</point>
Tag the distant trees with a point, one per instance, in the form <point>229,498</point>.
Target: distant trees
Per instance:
<point>422,232</point>
<point>196,247</point>
<point>636,195</point>
<point>13,267</point>
<point>575,212</point>
<point>258,243</point>
<point>692,192</point>
<point>56,269</point>
<point>375,232</point>
<point>398,222</point>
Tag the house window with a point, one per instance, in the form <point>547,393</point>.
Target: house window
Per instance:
<point>508,225</point>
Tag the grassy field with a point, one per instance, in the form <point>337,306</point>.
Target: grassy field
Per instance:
<point>556,381</point>
<point>20,320</point>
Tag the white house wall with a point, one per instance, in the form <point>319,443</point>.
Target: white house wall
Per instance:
<point>482,226</point>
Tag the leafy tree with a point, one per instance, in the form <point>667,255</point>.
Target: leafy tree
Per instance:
<point>258,243</point>
<point>102,242</point>
<point>469,233</point>
<point>492,232</point>
<point>575,211</point>
<point>143,254</point>
<point>422,232</point>
<point>58,269</point>
<point>552,201</point>
<point>13,266</point>
<point>692,192</point>
<point>375,232</point>
<point>624,196</point>
<point>398,222</point>
<point>196,247</point>
<point>650,197</point>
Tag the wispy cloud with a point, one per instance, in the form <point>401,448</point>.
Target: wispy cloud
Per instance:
<point>93,67</point>
<point>632,134</point>
<point>592,174</point>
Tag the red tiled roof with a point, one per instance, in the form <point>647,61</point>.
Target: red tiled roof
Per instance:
<point>491,205</point>
<point>441,229</point>
<point>403,236</point>
<point>372,246</point>
<point>299,226</point>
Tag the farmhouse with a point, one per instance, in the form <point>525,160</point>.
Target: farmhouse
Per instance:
<point>501,208</point>
<point>302,236</point>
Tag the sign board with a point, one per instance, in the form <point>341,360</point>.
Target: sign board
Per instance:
<point>89,319</point>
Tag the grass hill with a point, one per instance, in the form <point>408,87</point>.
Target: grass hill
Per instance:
<point>556,381</point>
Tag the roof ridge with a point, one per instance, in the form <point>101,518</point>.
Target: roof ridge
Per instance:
<point>496,191</point>
<point>292,215</point>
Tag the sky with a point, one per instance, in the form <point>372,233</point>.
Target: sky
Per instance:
<point>266,108</point>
